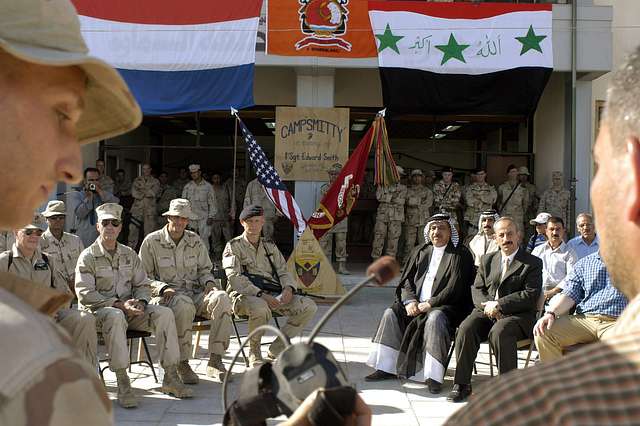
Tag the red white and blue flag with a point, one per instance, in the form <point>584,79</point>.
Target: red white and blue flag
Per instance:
<point>270,180</point>
<point>177,56</point>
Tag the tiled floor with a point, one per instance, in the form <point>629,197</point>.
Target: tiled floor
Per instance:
<point>347,335</point>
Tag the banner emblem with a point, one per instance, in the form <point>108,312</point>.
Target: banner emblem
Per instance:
<point>324,20</point>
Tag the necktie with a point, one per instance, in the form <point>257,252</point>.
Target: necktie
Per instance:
<point>505,266</point>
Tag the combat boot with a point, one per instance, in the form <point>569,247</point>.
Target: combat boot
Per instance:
<point>216,369</point>
<point>255,356</point>
<point>126,396</point>
<point>342,268</point>
<point>172,385</point>
<point>186,374</point>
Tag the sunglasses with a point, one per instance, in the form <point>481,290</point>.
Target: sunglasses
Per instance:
<point>29,232</point>
<point>113,222</point>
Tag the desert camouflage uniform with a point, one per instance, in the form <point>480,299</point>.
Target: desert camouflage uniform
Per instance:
<point>63,254</point>
<point>7,238</point>
<point>241,256</point>
<point>478,197</point>
<point>339,232</point>
<point>80,325</point>
<point>241,187</point>
<point>106,183</point>
<point>517,205</point>
<point>42,380</point>
<point>186,268</point>
<point>446,198</point>
<point>101,280</point>
<point>255,195</point>
<point>166,194</point>
<point>145,190</point>
<point>221,230</point>
<point>179,184</point>
<point>556,203</point>
<point>389,218</point>
<point>122,188</point>
<point>203,204</point>
<point>418,204</point>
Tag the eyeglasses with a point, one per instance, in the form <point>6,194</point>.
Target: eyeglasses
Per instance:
<point>113,222</point>
<point>29,232</point>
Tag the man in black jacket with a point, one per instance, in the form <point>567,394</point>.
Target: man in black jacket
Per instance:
<point>432,298</point>
<point>505,295</point>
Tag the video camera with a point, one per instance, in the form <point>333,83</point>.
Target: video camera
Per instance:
<point>279,388</point>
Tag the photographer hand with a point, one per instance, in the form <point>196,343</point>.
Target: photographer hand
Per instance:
<point>360,416</point>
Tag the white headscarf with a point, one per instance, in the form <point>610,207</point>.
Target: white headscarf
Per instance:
<point>484,214</point>
<point>452,225</point>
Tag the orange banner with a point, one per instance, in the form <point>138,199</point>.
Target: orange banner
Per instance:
<point>329,28</point>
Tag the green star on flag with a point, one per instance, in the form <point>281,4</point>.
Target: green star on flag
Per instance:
<point>531,41</point>
<point>387,39</point>
<point>452,50</point>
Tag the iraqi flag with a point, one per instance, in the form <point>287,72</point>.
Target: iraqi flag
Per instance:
<point>462,58</point>
<point>177,56</point>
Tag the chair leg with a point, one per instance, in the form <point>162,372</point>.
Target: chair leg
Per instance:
<point>150,362</point>
<point>453,346</point>
<point>139,351</point>
<point>130,353</point>
<point>490,360</point>
<point>526,363</point>
<point>235,327</point>
<point>197,345</point>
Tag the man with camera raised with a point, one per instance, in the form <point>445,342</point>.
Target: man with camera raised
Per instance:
<point>91,196</point>
<point>260,283</point>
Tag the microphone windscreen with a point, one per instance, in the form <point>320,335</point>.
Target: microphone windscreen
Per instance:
<point>384,269</point>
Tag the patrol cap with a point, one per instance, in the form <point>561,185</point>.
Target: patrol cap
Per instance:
<point>194,168</point>
<point>523,171</point>
<point>541,219</point>
<point>335,169</point>
<point>55,208</point>
<point>109,211</point>
<point>251,211</point>
<point>37,222</point>
<point>416,172</point>
<point>180,207</point>
<point>47,32</point>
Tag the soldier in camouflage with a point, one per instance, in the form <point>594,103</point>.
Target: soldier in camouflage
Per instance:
<point>447,194</point>
<point>200,193</point>
<point>182,179</point>
<point>555,200</point>
<point>429,179</point>
<point>418,202</point>
<point>112,284</point>
<point>221,229</point>
<point>6,240</point>
<point>338,232</point>
<point>179,267</point>
<point>478,197</point>
<point>534,200</point>
<point>106,183</point>
<point>513,198</point>
<point>167,193</point>
<point>389,218</point>
<point>255,195</point>
<point>144,190</point>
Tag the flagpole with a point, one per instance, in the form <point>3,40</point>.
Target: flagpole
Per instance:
<point>234,113</point>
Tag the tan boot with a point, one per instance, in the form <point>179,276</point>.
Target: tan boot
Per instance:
<point>275,349</point>
<point>342,268</point>
<point>126,396</point>
<point>186,374</point>
<point>216,369</point>
<point>172,385</point>
<point>255,356</point>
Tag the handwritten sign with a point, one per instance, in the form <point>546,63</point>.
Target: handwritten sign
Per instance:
<point>309,141</point>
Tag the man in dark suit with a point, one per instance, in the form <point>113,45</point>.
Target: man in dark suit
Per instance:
<point>432,298</point>
<point>505,295</point>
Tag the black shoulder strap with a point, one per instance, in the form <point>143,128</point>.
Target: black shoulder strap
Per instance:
<point>509,197</point>
<point>273,268</point>
<point>10,262</point>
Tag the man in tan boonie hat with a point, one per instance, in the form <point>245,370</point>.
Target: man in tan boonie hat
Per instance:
<point>180,207</point>
<point>55,208</point>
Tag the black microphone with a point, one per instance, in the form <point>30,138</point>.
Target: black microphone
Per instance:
<point>380,272</point>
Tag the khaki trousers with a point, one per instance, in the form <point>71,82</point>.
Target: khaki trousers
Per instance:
<point>203,230</point>
<point>215,305</point>
<point>411,233</point>
<point>341,245</point>
<point>113,324</point>
<point>81,326</point>
<point>298,312</point>
<point>570,330</point>
<point>389,232</point>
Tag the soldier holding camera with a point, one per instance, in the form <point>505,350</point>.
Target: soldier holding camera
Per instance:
<point>86,201</point>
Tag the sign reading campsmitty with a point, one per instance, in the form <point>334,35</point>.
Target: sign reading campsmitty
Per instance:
<point>309,141</point>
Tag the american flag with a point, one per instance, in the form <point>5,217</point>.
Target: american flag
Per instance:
<point>270,181</point>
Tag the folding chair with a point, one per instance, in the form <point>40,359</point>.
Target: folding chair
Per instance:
<point>135,334</point>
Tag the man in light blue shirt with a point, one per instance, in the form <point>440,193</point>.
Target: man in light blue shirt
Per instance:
<point>587,242</point>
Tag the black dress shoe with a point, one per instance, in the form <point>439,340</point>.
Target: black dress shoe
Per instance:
<point>459,393</point>
<point>379,375</point>
<point>435,387</point>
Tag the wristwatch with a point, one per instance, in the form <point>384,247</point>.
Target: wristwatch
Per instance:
<point>259,294</point>
<point>555,316</point>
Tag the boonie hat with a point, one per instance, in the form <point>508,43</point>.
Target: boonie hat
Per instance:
<point>55,208</point>
<point>47,32</point>
<point>109,211</point>
<point>180,207</point>
<point>37,222</point>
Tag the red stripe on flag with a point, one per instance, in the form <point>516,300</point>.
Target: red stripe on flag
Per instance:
<point>292,211</point>
<point>169,12</point>
<point>456,10</point>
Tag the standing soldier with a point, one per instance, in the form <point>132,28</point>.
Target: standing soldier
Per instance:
<point>221,230</point>
<point>106,183</point>
<point>523,177</point>
<point>339,231</point>
<point>26,259</point>
<point>144,190</point>
<point>513,198</point>
<point>6,240</point>
<point>62,248</point>
<point>112,284</point>
<point>241,187</point>
<point>178,264</point>
<point>255,195</point>
<point>200,194</point>
<point>166,194</point>
<point>429,180</point>
<point>555,200</point>
<point>389,218</point>
<point>419,201</point>
<point>122,185</point>
<point>181,180</point>
<point>447,194</point>
<point>479,197</point>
